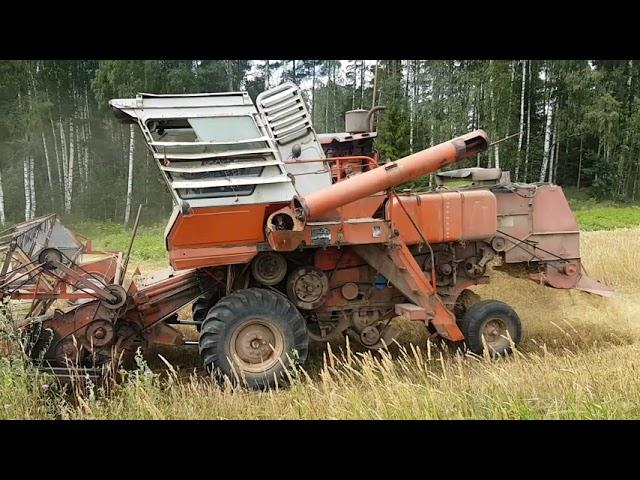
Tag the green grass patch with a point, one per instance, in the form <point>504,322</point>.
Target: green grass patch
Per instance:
<point>148,244</point>
<point>608,218</point>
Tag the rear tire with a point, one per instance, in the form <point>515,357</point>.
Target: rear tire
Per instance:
<point>493,320</point>
<point>201,307</point>
<point>250,335</point>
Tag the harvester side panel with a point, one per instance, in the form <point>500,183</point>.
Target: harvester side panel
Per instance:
<point>445,217</point>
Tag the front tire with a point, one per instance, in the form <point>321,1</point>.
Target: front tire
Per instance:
<point>251,334</point>
<point>497,322</point>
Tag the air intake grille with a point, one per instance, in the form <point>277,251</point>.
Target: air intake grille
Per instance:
<point>285,113</point>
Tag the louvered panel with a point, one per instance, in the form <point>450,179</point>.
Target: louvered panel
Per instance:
<point>221,167</point>
<point>206,156</point>
<point>230,181</point>
<point>278,96</point>
<point>285,113</point>
<point>287,120</point>
<point>292,102</point>
<point>288,130</point>
<point>204,144</point>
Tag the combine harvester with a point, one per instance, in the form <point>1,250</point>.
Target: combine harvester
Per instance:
<point>280,236</point>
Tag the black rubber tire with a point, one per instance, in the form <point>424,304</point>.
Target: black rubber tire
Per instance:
<point>464,302</point>
<point>476,317</point>
<point>201,307</point>
<point>230,313</point>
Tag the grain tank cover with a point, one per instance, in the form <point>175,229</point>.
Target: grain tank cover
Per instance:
<point>217,149</point>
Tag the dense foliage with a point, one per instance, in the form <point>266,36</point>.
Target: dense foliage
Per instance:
<point>574,122</point>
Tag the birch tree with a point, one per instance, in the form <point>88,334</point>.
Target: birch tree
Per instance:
<point>127,210</point>
<point>27,187</point>
<point>521,129</point>
<point>547,140</point>
<point>492,107</point>
<point>3,218</point>
<point>69,170</point>
<point>46,157</point>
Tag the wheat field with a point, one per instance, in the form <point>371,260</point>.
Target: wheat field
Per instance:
<point>579,359</point>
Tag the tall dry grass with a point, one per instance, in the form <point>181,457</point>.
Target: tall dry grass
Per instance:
<point>579,359</point>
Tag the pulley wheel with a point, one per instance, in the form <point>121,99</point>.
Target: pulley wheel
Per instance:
<point>121,297</point>
<point>269,268</point>
<point>48,256</point>
<point>307,287</point>
<point>99,333</point>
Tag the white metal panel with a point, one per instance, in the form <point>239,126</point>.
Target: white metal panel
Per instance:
<point>204,144</point>
<point>206,156</point>
<point>226,138</point>
<point>263,194</point>
<point>215,167</point>
<point>229,181</point>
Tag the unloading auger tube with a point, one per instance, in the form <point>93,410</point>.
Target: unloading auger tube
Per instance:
<point>316,204</point>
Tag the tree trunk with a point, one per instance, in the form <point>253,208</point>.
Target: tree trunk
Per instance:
<point>65,162</point>
<point>478,118</point>
<point>70,166</point>
<point>579,166</point>
<point>229,75</point>
<point>55,147</point>
<point>547,141</point>
<point>552,153</point>
<point>3,219</point>
<point>27,186</point>
<point>32,187</point>
<point>362,69</point>
<point>335,91</point>
<point>86,154</point>
<point>354,87</point>
<point>80,150</point>
<point>526,153</point>
<point>46,158</point>
<point>326,104</point>
<point>266,77</point>
<point>493,118</point>
<point>624,165</point>
<point>127,211</point>
<point>411,101</point>
<point>521,129</point>
<point>375,86</point>
<point>555,162</point>
<point>313,94</point>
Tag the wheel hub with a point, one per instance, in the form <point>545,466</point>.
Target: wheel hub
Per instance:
<point>99,333</point>
<point>257,345</point>
<point>494,331</point>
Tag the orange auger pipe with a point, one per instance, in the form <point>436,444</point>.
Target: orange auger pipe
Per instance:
<point>391,174</point>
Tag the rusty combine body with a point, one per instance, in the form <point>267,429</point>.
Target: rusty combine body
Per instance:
<point>280,236</point>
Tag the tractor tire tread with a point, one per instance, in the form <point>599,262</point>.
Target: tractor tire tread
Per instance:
<point>475,316</point>
<point>218,325</point>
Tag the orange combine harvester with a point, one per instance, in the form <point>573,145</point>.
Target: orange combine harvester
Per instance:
<point>280,236</point>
